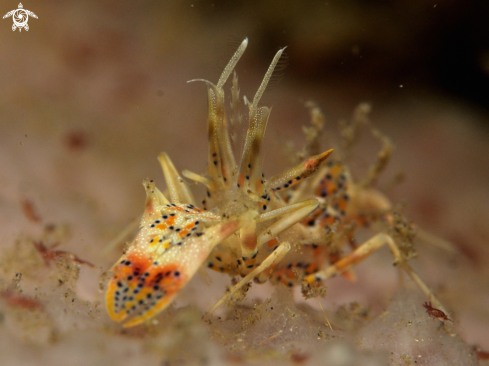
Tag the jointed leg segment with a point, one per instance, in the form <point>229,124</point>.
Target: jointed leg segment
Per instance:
<point>364,251</point>
<point>287,216</point>
<point>270,262</point>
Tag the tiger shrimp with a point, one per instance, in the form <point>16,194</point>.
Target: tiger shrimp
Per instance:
<point>247,224</point>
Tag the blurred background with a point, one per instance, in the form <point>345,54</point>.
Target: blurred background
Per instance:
<point>96,89</point>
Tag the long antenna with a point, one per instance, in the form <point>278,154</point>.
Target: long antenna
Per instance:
<point>232,63</point>
<point>266,79</point>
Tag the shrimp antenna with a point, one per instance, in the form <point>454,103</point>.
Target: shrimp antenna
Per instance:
<point>266,79</point>
<point>232,63</point>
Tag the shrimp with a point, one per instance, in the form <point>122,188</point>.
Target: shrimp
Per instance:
<point>247,224</point>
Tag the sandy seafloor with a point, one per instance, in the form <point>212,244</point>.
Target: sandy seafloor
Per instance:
<point>94,91</point>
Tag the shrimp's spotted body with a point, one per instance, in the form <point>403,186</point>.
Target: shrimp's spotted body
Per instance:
<point>246,223</point>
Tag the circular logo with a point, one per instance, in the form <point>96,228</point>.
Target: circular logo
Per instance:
<point>20,17</point>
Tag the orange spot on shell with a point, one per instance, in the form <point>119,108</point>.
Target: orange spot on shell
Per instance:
<point>182,234</point>
<point>272,243</point>
<point>241,180</point>
<point>170,220</point>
